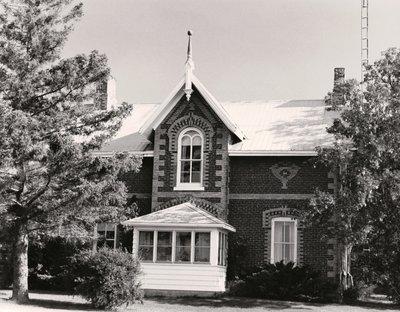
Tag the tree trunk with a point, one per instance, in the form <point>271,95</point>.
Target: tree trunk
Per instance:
<point>346,279</point>
<point>20,266</point>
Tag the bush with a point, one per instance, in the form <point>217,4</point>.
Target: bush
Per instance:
<point>285,282</point>
<point>107,278</point>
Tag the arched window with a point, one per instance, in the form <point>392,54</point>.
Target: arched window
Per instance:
<point>283,240</point>
<point>190,160</point>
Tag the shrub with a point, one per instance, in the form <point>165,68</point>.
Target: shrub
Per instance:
<point>107,278</point>
<point>285,282</point>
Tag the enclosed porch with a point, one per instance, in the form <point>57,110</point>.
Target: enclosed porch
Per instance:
<point>182,249</point>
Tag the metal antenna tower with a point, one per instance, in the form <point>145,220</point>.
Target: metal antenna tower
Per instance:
<point>364,37</point>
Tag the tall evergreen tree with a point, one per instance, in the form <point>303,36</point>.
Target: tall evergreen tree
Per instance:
<point>49,178</point>
<point>366,160</point>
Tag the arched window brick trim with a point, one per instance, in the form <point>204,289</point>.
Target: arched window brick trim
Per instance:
<point>194,121</point>
<point>270,214</point>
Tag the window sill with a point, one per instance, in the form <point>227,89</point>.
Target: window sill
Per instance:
<point>189,188</point>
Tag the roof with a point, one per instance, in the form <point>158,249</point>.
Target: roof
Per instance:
<point>291,127</point>
<point>183,215</point>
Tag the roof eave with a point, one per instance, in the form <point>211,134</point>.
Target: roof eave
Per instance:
<point>133,153</point>
<point>272,153</point>
<point>132,223</point>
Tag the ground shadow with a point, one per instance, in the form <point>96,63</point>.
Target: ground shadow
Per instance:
<point>53,303</point>
<point>376,305</point>
<point>248,303</point>
<point>232,302</point>
<point>58,304</point>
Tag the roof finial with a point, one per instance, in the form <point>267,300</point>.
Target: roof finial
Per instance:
<point>189,66</point>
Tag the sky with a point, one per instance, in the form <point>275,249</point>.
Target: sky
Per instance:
<point>243,50</point>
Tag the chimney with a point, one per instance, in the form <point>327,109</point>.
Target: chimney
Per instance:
<point>338,75</point>
<point>337,98</point>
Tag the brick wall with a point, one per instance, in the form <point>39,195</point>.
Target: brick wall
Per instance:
<point>256,193</point>
<point>197,114</point>
<point>139,185</point>
<point>254,175</point>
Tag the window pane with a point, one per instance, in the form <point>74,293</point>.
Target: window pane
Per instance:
<point>196,141</point>
<point>196,166</point>
<point>164,253</point>
<point>185,171</point>
<point>278,252</point>
<point>196,152</point>
<point>110,227</point>
<point>219,248</point>
<point>279,233</point>
<point>146,240</point>
<point>110,243</point>
<point>202,239</point>
<point>101,235</point>
<point>202,254</point>
<point>287,227</point>
<point>202,247</point>
<point>183,244</point>
<point>146,253</point>
<point>164,246</point>
<point>185,152</point>
<point>110,234</point>
<point>186,140</point>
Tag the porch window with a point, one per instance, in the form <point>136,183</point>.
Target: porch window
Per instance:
<point>174,246</point>
<point>222,248</point>
<point>202,247</point>
<point>106,235</point>
<point>190,159</point>
<point>146,242</point>
<point>183,246</point>
<point>284,240</point>
<point>164,246</point>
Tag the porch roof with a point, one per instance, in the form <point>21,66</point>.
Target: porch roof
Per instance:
<point>186,215</point>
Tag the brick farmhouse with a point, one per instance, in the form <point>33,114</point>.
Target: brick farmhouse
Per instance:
<point>213,170</point>
<point>217,172</point>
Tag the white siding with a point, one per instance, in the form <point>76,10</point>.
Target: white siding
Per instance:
<point>192,277</point>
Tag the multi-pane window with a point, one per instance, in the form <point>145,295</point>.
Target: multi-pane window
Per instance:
<point>164,246</point>
<point>177,246</point>
<point>106,235</point>
<point>222,248</point>
<point>190,157</point>
<point>284,238</point>
<point>202,247</point>
<point>146,245</point>
<point>183,246</point>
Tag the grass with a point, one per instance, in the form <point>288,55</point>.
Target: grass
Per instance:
<point>51,302</point>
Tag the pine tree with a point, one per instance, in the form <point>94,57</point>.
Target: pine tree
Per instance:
<point>50,179</point>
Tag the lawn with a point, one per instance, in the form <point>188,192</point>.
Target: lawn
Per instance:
<point>45,302</point>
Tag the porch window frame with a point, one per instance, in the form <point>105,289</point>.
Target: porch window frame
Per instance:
<point>173,255</point>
